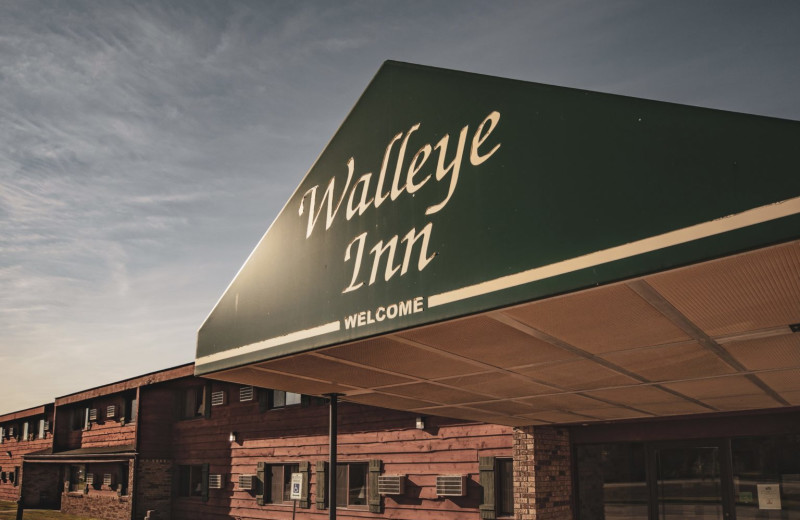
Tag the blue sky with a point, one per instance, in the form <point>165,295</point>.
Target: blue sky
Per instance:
<point>145,147</point>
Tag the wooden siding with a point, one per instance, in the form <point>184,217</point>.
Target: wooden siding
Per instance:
<point>128,384</point>
<point>300,433</point>
<point>102,432</point>
<point>20,447</point>
<point>157,413</point>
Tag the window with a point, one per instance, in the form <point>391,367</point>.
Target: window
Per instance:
<point>505,487</point>
<point>79,419</point>
<point>281,398</point>
<point>193,402</point>
<point>280,478</point>
<point>131,409</point>
<point>191,482</point>
<point>2,434</point>
<point>77,477</point>
<point>351,484</point>
<point>497,481</point>
<point>25,430</point>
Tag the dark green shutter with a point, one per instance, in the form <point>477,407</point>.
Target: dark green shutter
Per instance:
<point>16,476</point>
<point>204,480</point>
<point>179,396</point>
<point>322,483</point>
<point>260,484</point>
<point>373,497</point>
<point>305,467</point>
<point>486,466</point>
<point>207,401</point>
<point>176,478</point>
<point>263,400</point>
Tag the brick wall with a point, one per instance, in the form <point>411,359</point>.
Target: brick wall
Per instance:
<point>42,485</point>
<point>542,473</point>
<point>106,507</point>
<point>154,487</point>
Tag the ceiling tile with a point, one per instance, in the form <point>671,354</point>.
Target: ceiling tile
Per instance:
<point>328,370</point>
<point>394,356</point>
<point>782,380</point>
<point>434,392</point>
<point>562,402</point>
<point>642,394</point>
<point>489,341</point>
<point>750,291</point>
<point>578,375</point>
<point>611,413</point>
<point>497,384</point>
<point>767,353</point>
<point>600,320</point>
<point>717,387</point>
<point>670,362</point>
<point>389,401</point>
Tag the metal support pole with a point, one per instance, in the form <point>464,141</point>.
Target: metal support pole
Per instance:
<point>332,436</point>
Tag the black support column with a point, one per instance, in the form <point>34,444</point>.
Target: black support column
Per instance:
<point>332,436</point>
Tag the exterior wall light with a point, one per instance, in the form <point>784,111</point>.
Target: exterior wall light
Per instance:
<point>233,437</point>
<point>420,422</point>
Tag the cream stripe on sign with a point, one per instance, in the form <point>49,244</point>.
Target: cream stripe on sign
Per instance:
<point>333,326</point>
<point>681,236</point>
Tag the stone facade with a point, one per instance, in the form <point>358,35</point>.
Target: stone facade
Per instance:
<point>154,488</point>
<point>542,473</point>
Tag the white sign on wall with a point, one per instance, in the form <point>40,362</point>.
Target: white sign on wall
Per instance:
<point>769,496</point>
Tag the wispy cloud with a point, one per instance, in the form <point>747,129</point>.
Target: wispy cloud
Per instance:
<point>146,146</point>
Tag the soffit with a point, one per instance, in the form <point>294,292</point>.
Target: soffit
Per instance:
<point>709,337</point>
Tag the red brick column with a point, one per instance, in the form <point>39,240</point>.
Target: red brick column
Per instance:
<point>542,473</point>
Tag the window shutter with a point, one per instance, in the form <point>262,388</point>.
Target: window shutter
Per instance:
<point>260,484</point>
<point>373,497</point>
<point>486,467</point>
<point>204,481</point>
<point>322,483</point>
<point>178,401</point>
<point>207,400</point>
<point>176,479</point>
<point>263,400</point>
<point>305,467</point>
<point>16,476</point>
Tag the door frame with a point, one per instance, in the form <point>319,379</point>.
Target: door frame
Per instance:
<point>725,471</point>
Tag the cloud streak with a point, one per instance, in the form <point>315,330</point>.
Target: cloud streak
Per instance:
<point>146,146</point>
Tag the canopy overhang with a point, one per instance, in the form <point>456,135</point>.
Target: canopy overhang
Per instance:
<point>515,253</point>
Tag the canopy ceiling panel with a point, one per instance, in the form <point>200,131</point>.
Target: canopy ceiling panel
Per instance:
<point>557,375</point>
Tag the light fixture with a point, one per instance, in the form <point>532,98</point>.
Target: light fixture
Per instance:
<point>233,436</point>
<point>420,422</point>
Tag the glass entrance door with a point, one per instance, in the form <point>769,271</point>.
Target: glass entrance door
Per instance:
<point>688,482</point>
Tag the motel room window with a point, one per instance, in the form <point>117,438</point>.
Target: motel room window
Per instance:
<point>79,419</point>
<point>281,398</point>
<point>77,477</point>
<point>280,478</point>
<point>130,408</point>
<point>193,402</point>
<point>193,481</point>
<point>351,485</point>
